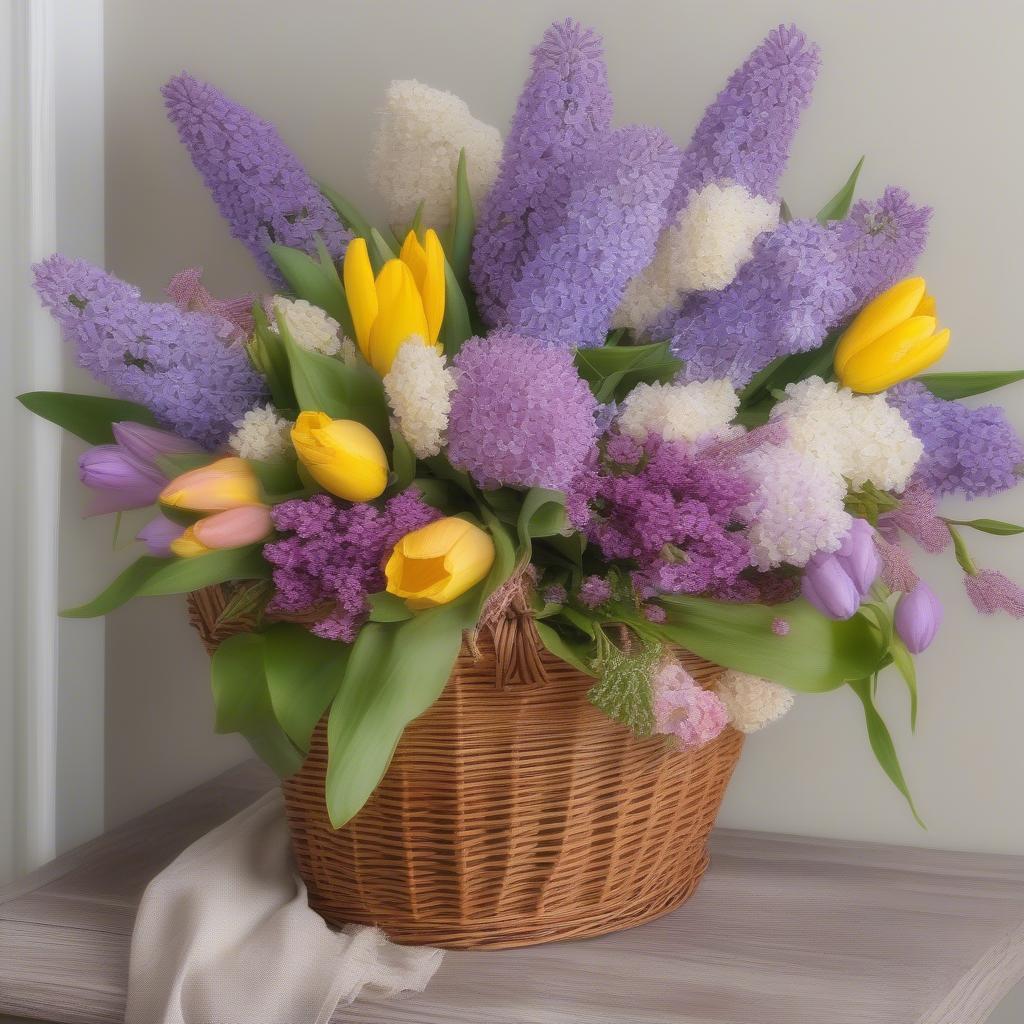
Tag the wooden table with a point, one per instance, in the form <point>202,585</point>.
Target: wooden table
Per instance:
<point>783,931</point>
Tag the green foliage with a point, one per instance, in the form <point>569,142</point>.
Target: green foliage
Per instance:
<point>267,354</point>
<point>242,700</point>
<point>612,371</point>
<point>839,205</point>
<point>456,327</point>
<point>459,244</point>
<point>576,652</point>
<point>316,282</point>
<point>155,577</point>
<point>818,654</point>
<point>964,384</point>
<point>348,214</point>
<point>542,515</point>
<point>993,526</point>
<point>385,607</point>
<point>623,689</point>
<point>757,395</point>
<point>86,416</point>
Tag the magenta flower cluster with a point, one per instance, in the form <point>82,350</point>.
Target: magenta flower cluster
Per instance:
<point>258,183</point>
<point>180,365</point>
<point>564,106</point>
<point>521,415</point>
<point>613,216</point>
<point>673,519</point>
<point>973,452</point>
<point>333,557</point>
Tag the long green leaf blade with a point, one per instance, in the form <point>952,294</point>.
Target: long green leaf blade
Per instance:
<point>964,384</point>
<point>460,244</point>
<point>839,205</point>
<point>86,416</point>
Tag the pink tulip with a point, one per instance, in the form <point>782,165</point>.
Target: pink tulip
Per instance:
<point>234,528</point>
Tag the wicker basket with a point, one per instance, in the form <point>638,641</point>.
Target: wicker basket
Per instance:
<point>513,812</point>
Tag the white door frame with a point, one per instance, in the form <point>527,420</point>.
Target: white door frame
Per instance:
<point>51,198</point>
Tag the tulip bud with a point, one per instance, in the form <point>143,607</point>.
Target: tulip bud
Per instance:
<point>859,555</point>
<point>892,338</point>
<point>158,534</point>
<point>233,528</point>
<point>120,480</point>
<point>342,456</point>
<point>829,588</point>
<point>226,483</point>
<point>918,617</point>
<point>438,562</point>
<point>148,443</point>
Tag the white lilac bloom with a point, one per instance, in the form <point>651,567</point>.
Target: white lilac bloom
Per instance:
<point>859,437</point>
<point>797,509</point>
<point>261,434</point>
<point>711,238</point>
<point>416,152</point>
<point>678,412</point>
<point>419,387</point>
<point>752,702</point>
<point>311,328</point>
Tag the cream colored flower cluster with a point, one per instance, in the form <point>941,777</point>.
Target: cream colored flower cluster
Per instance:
<point>261,434</point>
<point>416,152</point>
<point>419,386</point>
<point>311,328</point>
<point>678,412</point>
<point>712,238</point>
<point>859,437</point>
<point>752,702</point>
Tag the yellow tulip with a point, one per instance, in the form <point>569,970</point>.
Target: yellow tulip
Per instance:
<point>438,562</point>
<point>226,483</point>
<point>232,528</point>
<point>892,338</point>
<point>342,456</point>
<point>406,301</point>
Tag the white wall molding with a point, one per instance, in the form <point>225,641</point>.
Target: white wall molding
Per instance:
<point>51,788</point>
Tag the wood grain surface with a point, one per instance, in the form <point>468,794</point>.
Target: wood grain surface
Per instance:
<point>783,931</point>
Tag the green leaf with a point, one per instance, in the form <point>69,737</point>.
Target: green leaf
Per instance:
<point>267,354</point>
<point>417,219</point>
<point>155,577</point>
<point>904,662</point>
<point>817,654</point>
<point>182,462</point>
<point>441,494</point>
<point>456,327</point>
<point>385,607</point>
<point>881,742</point>
<point>395,672</point>
<point>839,205</point>
<point>380,243</point>
<point>576,653</point>
<point>243,703</point>
<point>313,282</point>
<point>785,213</point>
<point>277,477</point>
<point>993,526</point>
<point>542,515</point>
<point>348,214</point>
<point>799,366</point>
<point>86,416</point>
<point>964,384</point>
<point>460,240</point>
<point>304,673</point>
<point>963,556</point>
<point>327,385</point>
<point>612,371</point>
<point>403,462</point>
<point>504,562</point>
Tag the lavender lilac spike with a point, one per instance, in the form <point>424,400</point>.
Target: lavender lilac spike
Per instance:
<point>178,364</point>
<point>258,183</point>
<point>804,279</point>
<point>746,133</point>
<point>565,105</point>
<point>572,286</point>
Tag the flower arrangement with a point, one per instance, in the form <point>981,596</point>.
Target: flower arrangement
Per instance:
<point>615,377</point>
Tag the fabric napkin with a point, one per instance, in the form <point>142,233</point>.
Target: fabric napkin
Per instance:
<point>224,936</point>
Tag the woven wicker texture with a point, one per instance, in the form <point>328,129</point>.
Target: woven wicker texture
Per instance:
<point>511,814</point>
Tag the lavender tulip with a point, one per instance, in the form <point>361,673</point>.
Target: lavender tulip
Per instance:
<point>158,535</point>
<point>147,444</point>
<point>859,556</point>
<point>120,480</point>
<point>918,617</point>
<point>828,586</point>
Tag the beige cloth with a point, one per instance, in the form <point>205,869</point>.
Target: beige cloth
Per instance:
<point>224,936</point>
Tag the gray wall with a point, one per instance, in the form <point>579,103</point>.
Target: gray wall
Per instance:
<point>929,91</point>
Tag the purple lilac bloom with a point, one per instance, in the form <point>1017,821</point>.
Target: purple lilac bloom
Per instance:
<point>568,292</point>
<point>803,280</point>
<point>335,554</point>
<point>158,535</point>
<point>673,520</point>
<point>118,479</point>
<point>746,133</point>
<point>991,591</point>
<point>564,106</point>
<point>258,183</point>
<point>555,594</point>
<point>654,613</point>
<point>179,365</point>
<point>594,591</point>
<point>971,451</point>
<point>520,415</point>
